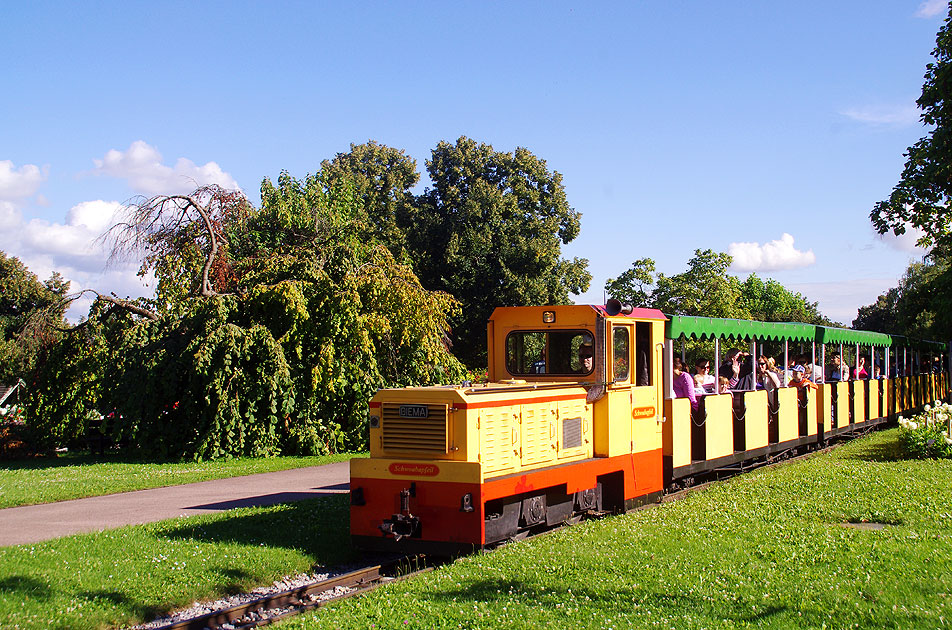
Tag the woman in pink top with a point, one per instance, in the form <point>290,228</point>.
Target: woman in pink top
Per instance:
<point>683,383</point>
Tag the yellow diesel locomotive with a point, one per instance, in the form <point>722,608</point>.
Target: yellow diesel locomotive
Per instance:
<point>579,416</point>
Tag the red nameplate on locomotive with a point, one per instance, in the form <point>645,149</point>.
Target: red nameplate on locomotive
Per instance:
<point>423,470</point>
<point>643,412</point>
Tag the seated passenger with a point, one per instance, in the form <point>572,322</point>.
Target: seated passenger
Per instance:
<point>835,372</point>
<point>799,380</point>
<point>586,359</point>
<point>702,368</point>
<point>723,385</point>
<point>861,372</point>
<point>699,385</point>
<point>811,370</point>
<point>877,372</point>
<point>730,368</point>
<point>767,379</point>
<point>683,384</point>
<point>747,377</point>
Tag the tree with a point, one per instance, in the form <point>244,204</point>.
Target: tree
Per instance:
<point>275,326</point>
<point>880,316</point>
<point>770,301</point>
<point>920,306</point>
<point>23,296</point>
<point>634,286</point>
<point>923,195</point>
<point>707,289</point>
<point>382,178</point>
<point>490,232</point>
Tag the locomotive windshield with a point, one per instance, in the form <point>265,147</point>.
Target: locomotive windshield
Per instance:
<point>562,352</point>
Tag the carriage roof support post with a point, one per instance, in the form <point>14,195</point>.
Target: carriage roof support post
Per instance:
<point>753,355</point>
<point>668,368</point>
<point>856,361</point>
<point>813,362</point>
<point>717,364</point>
<point>886,363</point>
<point>786,363</point>
<point>822,359</point>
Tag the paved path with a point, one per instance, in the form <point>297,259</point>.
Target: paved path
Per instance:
<point>35,523</point>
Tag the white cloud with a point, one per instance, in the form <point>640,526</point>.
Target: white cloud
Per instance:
<point>141,165</point>
<point>70,248</point>
<point>771,256</point>
<point>884,115</point>
<point>932,8</point>
<point>19,183</point>
<point>905,242</point>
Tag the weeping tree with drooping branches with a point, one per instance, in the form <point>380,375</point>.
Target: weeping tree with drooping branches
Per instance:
<point>269,331</point>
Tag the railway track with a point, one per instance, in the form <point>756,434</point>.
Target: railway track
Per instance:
<point>272,607</point>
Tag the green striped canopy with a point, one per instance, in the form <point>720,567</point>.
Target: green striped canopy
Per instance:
<point>713,328</point>
<point>826,334</point>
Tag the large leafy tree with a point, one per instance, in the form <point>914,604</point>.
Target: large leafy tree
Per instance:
<point>923,195</point>
<point>22,299</point>
<point>770,301</point>
<point>490,232</point>
<point>707,289</point>
<point>920,306</point>
<point>271,331</point>
<point>383,178</point>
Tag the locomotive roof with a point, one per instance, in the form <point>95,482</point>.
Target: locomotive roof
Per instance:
<point>580,310</point>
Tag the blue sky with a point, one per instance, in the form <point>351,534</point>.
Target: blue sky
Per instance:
<point>765,129</point>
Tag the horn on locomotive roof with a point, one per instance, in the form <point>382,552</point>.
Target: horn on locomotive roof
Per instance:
<point>614,307</point>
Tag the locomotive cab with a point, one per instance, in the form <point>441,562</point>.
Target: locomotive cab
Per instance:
<point>568,423</point>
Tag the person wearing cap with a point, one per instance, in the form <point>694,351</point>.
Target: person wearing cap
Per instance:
<point>798,379</point>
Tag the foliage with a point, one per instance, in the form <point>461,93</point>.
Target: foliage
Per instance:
<point>490,233</point>
<point>382,178</point>
<point>919,307</point>
<point>198,386</point>
<point>634,286</point>
<point>928,434</point>
<point>276,352</point>
<point>770,301</point>
<point>923,195</point>
<point>23,296</point>
<point>707,289</point>
<point>67,383</point>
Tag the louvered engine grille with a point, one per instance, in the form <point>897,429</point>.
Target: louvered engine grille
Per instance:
<point>421,435</point>
<point>571,433</point>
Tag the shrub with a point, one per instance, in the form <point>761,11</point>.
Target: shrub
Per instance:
<point>928,435</point>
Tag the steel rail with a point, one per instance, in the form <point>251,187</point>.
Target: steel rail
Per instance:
<point>299,599</point>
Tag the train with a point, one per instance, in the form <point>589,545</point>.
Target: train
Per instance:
<point>578,417</point>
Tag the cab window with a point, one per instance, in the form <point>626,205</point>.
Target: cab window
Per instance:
<point>620,353</point>
<point>643,371</point>
<point>562,352</point>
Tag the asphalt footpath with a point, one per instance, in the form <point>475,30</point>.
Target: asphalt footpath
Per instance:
<point>36,523</point>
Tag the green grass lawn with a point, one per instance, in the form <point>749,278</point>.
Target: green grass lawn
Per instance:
<point>72,476</point>
<point>129,575</point>
<point>771,549</point>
